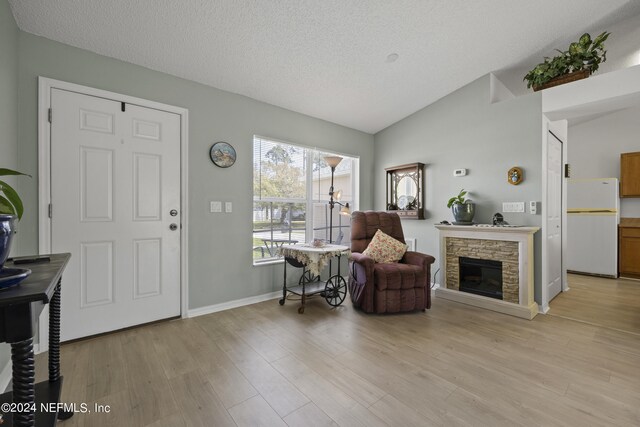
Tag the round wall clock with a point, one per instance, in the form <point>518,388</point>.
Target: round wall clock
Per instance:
<point>515,176</point>
<point>222,154</point>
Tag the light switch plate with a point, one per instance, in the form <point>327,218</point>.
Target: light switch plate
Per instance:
<point>228,207</point>
<point>216,207</point>
<point>513,207</point>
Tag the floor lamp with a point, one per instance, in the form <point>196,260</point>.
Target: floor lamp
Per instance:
<point>334,161</point>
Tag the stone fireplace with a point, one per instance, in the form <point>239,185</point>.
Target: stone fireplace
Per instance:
<point>503,251</point>
<point>490,267</point>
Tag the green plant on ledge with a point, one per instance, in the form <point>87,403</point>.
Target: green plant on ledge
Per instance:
<point>459,199</point>
<point>10,202</point>
<point>585,54</point>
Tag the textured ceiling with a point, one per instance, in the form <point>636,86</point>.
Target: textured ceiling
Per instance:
<point>324,58</point>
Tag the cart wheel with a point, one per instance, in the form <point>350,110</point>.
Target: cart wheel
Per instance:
<point>300,310</point>
<point>307,277</point>
<point>335,291</point>
<point>281,302</point>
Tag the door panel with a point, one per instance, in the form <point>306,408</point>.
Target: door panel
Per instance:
<point>114,178</point>
<point>146,187</point>
<point>146,129</point>
<point>554,216</point>
<point>96,184</point>
<point>96,273</point>
<point>96,121</point>
<point>147,267</point>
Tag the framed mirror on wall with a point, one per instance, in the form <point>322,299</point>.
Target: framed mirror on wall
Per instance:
<point>405,190</point>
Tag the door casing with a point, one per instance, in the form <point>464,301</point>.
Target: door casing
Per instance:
<point>45,85</point>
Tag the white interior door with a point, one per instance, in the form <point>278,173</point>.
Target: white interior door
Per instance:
<point>115,178</point>
<point>554,216</point>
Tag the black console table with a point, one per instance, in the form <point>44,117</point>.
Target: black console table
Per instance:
<point>20,308</point>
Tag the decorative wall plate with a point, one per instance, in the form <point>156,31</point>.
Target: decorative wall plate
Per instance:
<point>222,154</point>
<point>515,176</point>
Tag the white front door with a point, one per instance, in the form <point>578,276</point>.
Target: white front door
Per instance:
<point>115,180</point>
<point>554,216</point>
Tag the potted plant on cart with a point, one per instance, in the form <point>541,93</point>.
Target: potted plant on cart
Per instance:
<point>463,209</point>
<point>582,59</point>
<point>11,209</point>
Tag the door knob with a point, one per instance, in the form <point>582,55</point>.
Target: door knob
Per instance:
<point>173,227</point>
<point>173,212</point>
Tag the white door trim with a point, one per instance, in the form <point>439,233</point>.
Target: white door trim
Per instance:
<point>45,85</point>
<point>544,303</point>
<point>559,128</point>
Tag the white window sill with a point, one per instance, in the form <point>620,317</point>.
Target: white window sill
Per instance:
<point>271,262</point>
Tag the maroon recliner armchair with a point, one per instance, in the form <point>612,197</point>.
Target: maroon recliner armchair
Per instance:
<point>386,288</point>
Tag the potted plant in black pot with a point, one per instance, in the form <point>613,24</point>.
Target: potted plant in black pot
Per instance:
<point>11,209</point>
<point>463,209</point>
<point>582,59</point>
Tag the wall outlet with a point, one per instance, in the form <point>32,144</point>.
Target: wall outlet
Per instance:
<point>216,207</point>
<point>228,207</point>
<point>513,207</point>
<point>460,172</point>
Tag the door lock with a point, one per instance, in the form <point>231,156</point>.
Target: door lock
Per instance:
<point>173,212</point>
<point>173,227</point>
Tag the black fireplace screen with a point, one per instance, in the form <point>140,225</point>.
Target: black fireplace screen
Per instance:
<point>481,277</point>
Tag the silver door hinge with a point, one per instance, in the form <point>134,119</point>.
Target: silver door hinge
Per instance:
<point>50,116</point>
<point>50,210</point>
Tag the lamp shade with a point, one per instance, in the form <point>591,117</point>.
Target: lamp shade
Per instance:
<point>345,210</point>
<point>337,195</point>
<point>333,161</point>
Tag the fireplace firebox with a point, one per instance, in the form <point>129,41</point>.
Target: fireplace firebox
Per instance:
<point>481,277</point>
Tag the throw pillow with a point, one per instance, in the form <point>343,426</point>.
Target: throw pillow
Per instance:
<point>384,248</point>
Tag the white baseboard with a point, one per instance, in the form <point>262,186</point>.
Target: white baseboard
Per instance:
<point>201,311</point>
<point>5,376</point>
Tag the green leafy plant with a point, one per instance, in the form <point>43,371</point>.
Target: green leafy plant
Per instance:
<point>459,199</point>
<point>583,54</point>
<point>10,202</point>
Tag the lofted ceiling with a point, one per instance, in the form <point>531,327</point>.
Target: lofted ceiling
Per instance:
<point>325,58</point>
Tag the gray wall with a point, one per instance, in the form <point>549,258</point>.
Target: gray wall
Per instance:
<point>463,130</point>
<point>8,88</point>
<point>594,149</point>
<point>220,256</point>
<point>8,107</point>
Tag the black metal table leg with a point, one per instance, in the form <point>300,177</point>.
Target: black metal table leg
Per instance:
<point>304,293</point>
<point>23,382</point>
<point>54,335</point>
<point>54,343</point>
<point>284,284</point>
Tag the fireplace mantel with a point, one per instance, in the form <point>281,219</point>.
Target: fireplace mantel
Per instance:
<point>483,241</point>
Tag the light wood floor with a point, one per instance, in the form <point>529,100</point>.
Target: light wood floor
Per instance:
<point>454,365</point>
<point>605,302</point>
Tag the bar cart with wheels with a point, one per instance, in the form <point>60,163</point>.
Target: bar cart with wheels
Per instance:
<point>312,259</point>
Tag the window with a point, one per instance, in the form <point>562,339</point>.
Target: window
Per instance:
<point>291,193</point>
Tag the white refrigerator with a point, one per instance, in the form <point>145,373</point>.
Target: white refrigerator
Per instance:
<point>593,215</point>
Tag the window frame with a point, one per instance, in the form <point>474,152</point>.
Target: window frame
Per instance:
<point>309,199</point>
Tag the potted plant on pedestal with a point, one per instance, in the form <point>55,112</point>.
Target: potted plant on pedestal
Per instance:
<point>582,59</point>
<point>11,209</point>
<point>463,209</point>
